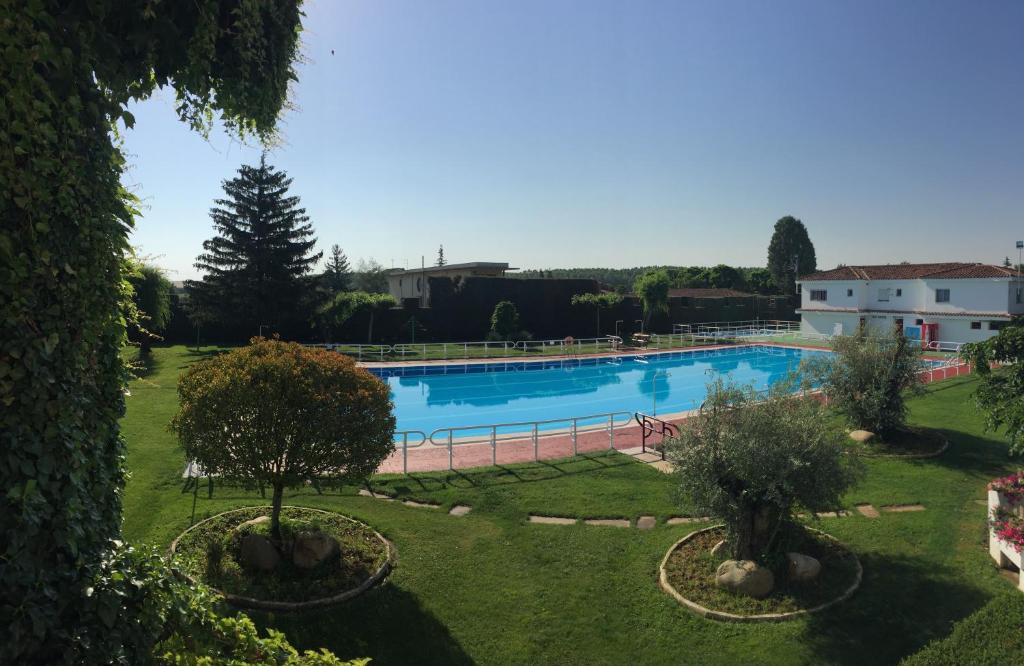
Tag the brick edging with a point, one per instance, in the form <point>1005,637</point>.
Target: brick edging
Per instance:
<point>764,617</point>
<point>291,606</point>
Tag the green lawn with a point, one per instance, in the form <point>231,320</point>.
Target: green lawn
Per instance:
<point>490,588</point>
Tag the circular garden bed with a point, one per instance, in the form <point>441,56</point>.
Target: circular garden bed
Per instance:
<point>907,442</point>
<point>352,557</point>
<point>688,574</point>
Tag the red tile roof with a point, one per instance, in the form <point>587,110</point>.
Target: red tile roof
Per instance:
<point>705,293</point>
<point>948,270</point>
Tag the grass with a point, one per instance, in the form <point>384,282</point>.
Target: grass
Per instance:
<point>490,588</point>
<point>903,442</point>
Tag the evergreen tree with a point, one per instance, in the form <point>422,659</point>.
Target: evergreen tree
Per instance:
<point>256,264</point>
<point>440,256</point>
<point>337,274</point>
<point>790,254</point>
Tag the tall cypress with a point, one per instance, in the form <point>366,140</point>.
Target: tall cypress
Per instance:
<point>255,268</point>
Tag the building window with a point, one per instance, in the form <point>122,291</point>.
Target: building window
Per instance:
<point>849,293</point>
<point>919,322</point>
<point>883,295</point>
<point>996,325</point>
<point>975,325</point>
<point>942,295</point>
<point>899,292</point>
<point>819,294</point>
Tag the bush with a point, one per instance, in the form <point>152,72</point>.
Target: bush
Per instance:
<point>748,458</point>
<point>504,321</point>
<point>991,636</point>
<point>139,611</point>
<point>279,414</point>
<point>867,379</point>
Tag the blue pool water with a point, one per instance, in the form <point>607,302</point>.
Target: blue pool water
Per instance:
<point>443,396</point>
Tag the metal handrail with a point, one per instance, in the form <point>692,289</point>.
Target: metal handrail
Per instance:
<point>460,350</point>
<point>648,428</point>
<point>529,430</point>
<point>404,434</point>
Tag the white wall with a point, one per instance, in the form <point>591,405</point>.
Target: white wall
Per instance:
<point>837,294</point>
<point>974,295</point>
<point>823,323</point>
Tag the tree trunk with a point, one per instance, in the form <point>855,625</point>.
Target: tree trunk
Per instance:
<point>756,531</point>
<point>275,513</point>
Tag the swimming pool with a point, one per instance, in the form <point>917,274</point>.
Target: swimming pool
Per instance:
<point>429,397</point>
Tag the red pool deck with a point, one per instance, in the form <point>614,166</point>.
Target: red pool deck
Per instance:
<point>509,450</point>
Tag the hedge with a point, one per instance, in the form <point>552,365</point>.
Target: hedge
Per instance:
<point>992,636</point>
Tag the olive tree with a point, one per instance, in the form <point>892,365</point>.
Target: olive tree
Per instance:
<point>747,458</point>
<point>652,288</point>
<point>279,414</point>
<point>868,378</point>
<point>1000,365</point>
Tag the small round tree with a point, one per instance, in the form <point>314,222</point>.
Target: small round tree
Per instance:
<point>279,414</point>
<point>868,378</point>
<point>748,458</point>
<point>504,321</point>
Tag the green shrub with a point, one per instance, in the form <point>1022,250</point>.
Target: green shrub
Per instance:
<point>278,414</point>
<point>867,379</point>
<point>749,457</point>
<point>504,321</point>
<point>993,636</point>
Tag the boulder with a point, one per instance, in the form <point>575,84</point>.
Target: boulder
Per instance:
<point>720,551</point>
<point>257,552</point>
<point>312,548</point>
<point>862,436</point>
<point>254,522</point>
<point>802,567</point>
<point>745,577</point>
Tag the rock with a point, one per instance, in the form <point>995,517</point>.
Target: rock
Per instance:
<point>862,436</point>
<point>313,548</point>
<point>802,567</point>
<point>254,522</point>
<point>257,552</point>
<point>720,551</point>
<point>745,577</point>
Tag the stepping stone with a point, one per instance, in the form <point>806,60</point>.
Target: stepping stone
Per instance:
<point>366,493</point>
<point>607,522</point>
<point>552,520</point>
<point>833,514</point>
<point>903,508</point>
<point>867,510</point>
<point>663,466</point>
<point>648,457</point>
<point>684,520</point>
<point>460,510</point>
<point>646,522</point>
<point>421,505</point>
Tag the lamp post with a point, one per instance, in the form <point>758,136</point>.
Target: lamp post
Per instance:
<point>1020,251</point>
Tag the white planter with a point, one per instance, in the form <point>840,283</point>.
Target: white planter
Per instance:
<point>1001,551</point>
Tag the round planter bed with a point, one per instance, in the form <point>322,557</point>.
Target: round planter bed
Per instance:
<point>364,559</point>
<point>687,573</point>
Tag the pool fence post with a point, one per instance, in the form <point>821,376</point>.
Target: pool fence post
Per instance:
<point>611,432</point>
<point>450,450</point>
<point>494,445</point>
<point>536,444</point>
<point>444,351</point>
<point>574,436</point>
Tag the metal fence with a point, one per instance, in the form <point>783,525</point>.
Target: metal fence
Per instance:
<point>445,351</point>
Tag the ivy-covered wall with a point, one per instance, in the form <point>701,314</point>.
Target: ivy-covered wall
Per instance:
<point>66,73</point>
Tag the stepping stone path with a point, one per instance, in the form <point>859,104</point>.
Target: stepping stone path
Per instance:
<point>460,510</point>
<point>457,510</point>
<point>607,522</point>
<point>867,511</point>
<point>903,508</point>
<point>367,493</point>
<point>645,522</point>
<point>552,520</point>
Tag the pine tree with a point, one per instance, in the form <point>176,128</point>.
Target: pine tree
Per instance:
<point>440,256</point>
<point>790,254</point>
<point>255,266</point>
<point>337,274</point>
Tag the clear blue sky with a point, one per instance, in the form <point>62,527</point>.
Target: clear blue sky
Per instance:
<point>552,133</point>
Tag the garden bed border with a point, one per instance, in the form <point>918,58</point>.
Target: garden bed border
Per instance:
<point>290,606</point>
<point>763,617</point>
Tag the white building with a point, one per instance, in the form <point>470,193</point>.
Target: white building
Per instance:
<point>965,302</point>
<point>414,283</point>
